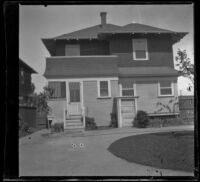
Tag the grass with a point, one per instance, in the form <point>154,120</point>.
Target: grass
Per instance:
<point>169,150</point>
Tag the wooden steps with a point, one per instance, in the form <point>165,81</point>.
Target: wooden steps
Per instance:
<point>73,122</point>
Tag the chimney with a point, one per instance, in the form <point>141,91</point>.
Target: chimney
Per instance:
<point>103,18</point>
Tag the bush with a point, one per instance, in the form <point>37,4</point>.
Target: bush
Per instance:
<point>89,123</point>
<point>173,122</point>
<point>156,122</point>
<point>113,122</point>
<point>23,127</point>
<point>164,121</point>
<point>141,120</point>
<point>57,127</point>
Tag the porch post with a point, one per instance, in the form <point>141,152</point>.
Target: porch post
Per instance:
<point>119,113</point>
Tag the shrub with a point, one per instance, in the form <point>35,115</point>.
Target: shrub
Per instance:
<point>89,123</point>
<point>23,127</point>
<point>141,119</point>
<point>113,122</point>
<point>173,122</point>
<point>163,121</point>
<point>58,127</point>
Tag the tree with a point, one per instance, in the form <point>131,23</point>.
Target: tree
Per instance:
<point>186,68</point>
<point>42,98</point>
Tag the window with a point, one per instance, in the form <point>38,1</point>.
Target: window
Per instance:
<point>127,89</point>
<point>140,51</point>
<point>104,88</point>
<point>59,89</point>
<point>72,50</point>
<point>166,88</point>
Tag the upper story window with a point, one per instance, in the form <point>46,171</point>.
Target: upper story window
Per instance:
<point>72,50</point>
<point>104,89</point>
<point>166,88</point>
<point>127,89</point>
<point>59,89</point>
<point>140,51</point>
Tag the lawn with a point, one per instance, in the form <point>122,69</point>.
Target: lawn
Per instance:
<point>169,150</point>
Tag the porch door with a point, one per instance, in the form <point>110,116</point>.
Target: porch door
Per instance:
<point>128,111</point>
<point>74,105</point>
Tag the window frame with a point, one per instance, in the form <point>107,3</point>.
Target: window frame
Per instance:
<point>98,89</point>
<point>166,95</point>
<point>146,50</point>
<point>133,88</point>
<point>60,97</point>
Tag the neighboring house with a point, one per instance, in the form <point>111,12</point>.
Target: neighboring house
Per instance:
<point>25,87</point>
<point>27,111</point>
<point>186,106</point>
<point>109,68</point>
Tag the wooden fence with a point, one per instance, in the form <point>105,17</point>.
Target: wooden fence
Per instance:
<point>41,120</point>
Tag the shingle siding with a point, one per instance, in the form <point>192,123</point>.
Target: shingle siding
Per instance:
<point>87,47</point>
<point>99,109</point>
<point>159,51</point>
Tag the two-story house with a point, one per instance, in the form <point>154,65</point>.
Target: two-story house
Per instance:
<point>106,68</point>
<point>25,87</point>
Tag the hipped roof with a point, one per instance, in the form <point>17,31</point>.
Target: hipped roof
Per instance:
<point>99,31</point>
<point>76,68</point>
<point>100,67</point>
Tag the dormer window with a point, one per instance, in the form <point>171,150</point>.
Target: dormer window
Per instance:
<point>72,50</point>
<point>140,51</point>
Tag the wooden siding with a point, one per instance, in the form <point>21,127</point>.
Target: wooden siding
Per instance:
<point>148,97</point>
<point>99,109</point>
<point>160,51</point>
<point>87,47</point>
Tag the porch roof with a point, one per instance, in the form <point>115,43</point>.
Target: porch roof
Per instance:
<point>147,71</point>
<point>79,68</point>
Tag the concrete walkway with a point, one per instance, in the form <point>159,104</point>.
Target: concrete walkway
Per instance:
<point>84,155</point>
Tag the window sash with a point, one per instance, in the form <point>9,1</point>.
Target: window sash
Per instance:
<point>72,50</point>
<point>166,90</point>
<point>103,88</point>
<point>165,84</point>
<point>140,51</point>
<point>59,89</point>
<point>127,90</point>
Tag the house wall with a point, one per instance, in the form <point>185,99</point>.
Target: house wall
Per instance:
<point>24,88</point>
<point>147,92</point>
<point>97,108</point>
<point>57,108</point>
<point>148,96</point>
<point>159,51</point>
<point>87,47</point>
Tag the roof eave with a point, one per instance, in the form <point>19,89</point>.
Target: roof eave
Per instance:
<point>50,45</point>
<point>28,67</point>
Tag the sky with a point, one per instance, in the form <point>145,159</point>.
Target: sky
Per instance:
<point>37,21</point>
